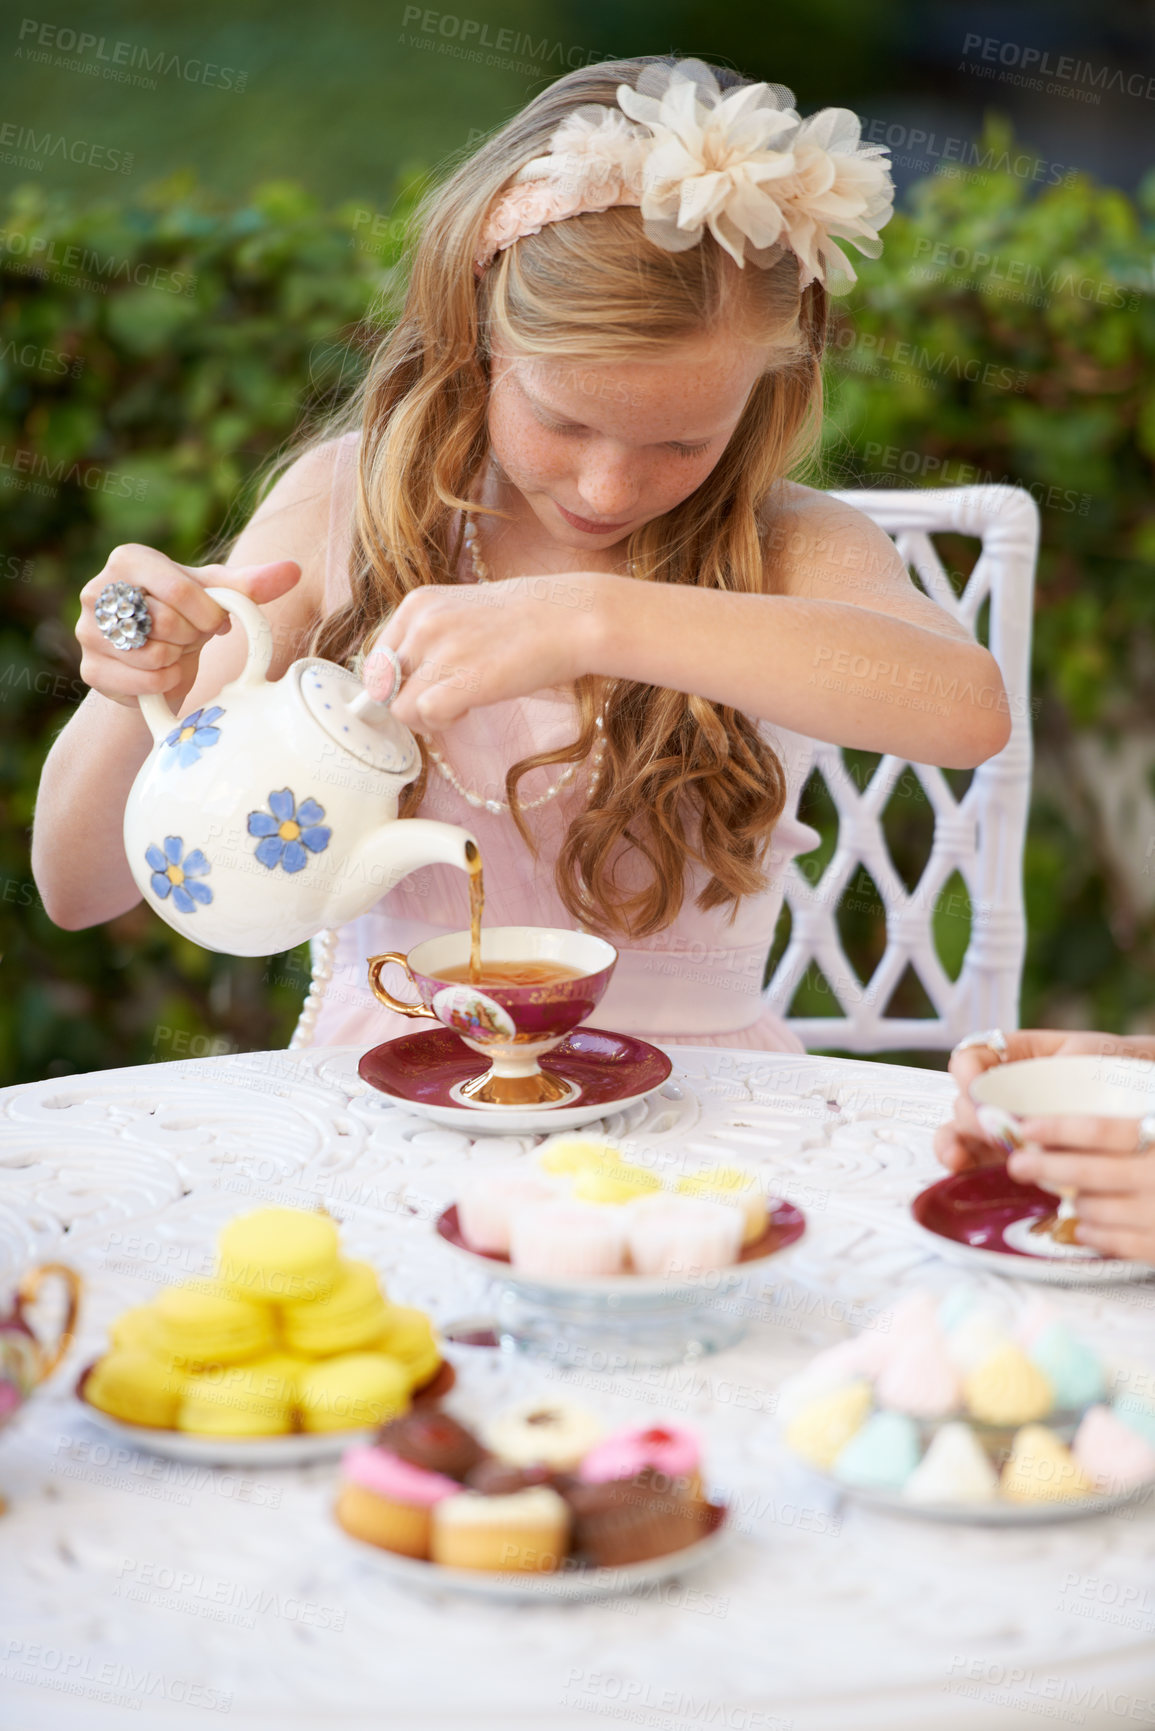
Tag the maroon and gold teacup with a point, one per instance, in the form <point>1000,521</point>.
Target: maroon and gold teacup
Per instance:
<point>511,1024</point>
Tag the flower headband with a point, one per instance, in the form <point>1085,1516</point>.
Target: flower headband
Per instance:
<point>744,165</point>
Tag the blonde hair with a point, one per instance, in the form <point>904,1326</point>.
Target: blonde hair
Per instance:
<point>682,777</point>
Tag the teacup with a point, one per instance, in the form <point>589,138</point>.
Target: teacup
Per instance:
<point>24,1359</point>
<point>1084,1085</point>
<point>512,1025</point>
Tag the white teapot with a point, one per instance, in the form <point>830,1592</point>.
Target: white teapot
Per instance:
<point>264,817</point>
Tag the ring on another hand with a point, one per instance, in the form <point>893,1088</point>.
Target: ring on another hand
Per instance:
<point>394,661</point>
<point>1146,1133</point>
<point>994,1038</point>
<point>122,615</point>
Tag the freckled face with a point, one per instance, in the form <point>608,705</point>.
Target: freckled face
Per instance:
<point>596,451</point>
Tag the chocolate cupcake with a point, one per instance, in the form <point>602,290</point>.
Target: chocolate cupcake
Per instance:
<point>496,1478</point>
<point>630,1520</point>
<point>434,1441</point>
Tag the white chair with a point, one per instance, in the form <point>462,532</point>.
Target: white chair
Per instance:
<point>980,835</point>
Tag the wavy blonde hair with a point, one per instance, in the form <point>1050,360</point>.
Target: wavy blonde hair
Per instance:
<point>682,778</point>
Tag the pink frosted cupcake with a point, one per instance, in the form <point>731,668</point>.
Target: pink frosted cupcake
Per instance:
<point>670,1452</point>
<point>1114,1457</point>
<point>567,1240</point>
<point>487,1203</point>
<point>679,1235</point>
<point>388,1502</point>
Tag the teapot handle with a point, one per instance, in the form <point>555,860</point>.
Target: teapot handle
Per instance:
<point>155,707</point>
<point>29,1287</point>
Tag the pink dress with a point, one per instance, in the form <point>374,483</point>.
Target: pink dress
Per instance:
<point>698,982</point>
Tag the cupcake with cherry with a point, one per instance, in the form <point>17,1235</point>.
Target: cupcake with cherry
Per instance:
<point>537,1489</point>
<point>285,1336</point>
<point>582,1211</point>
<point>953,1409</point>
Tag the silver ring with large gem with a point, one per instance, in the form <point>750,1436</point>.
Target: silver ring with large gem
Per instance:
<point>1146,1133</point>
<point>993,1038</point>
<point>122,614</point>
<point>394,661</point>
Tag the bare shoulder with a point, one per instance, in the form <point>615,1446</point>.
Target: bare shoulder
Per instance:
<point>292,522</point>
<point>815,543</point>
<point>819,548</point>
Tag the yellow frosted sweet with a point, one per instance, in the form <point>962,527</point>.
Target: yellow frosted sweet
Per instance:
<point>409,1338</point>
<point>281,1255</point>
<point>735,1187</point>
<point>139,1328</point>
<point>1041,1469</point>
<point>352,1316</point>
<point>823,1427</point>
<point>614,1183</point>
<point>201,1321</point>
<point>1008,1389</point>
<point>254,1399</point>
<point>132,1385</point>
<point>569,1154</point>
<point>356,1391</point>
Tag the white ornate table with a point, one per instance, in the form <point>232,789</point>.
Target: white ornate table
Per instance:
<point>137,1591</point>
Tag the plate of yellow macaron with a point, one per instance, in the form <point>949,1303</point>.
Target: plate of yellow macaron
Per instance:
<point>288,1352</point>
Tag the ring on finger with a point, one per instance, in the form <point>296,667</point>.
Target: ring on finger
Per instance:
<point>122,615</point>
<point>993,1038</point>
<point>1146,1133</point>
<point>394,661</point>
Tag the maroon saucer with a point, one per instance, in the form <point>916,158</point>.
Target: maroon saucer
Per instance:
<point>975,1208</point>
<point>786,1225</point>
<point>422,1068</point>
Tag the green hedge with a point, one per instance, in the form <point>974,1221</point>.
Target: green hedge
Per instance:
<point>154,355</point>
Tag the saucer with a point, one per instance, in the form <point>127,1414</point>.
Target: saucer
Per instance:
<point>420,1071</point>
<point>572,1583</point>
<point>982,1218</point>
<point>997,1513</point>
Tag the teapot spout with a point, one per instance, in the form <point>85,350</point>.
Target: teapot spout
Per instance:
<point>405,845</point>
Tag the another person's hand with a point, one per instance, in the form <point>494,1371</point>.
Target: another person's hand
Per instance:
<point>1114,1177</point>
<point>183,620</point>
<point>960,1143</point>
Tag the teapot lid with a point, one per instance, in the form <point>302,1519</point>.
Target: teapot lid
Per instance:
<point>336,699</point>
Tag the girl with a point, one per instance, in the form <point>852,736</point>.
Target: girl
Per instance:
<point>559,508</point>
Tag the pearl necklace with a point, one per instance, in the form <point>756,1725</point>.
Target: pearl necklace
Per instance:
<point>445,768</point>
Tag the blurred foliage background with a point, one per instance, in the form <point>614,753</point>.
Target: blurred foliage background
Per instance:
<point>163,333</point>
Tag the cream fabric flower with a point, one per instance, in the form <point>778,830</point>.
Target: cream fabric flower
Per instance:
<point>840,186</point>
<point>743,165</point>
<point>715,160</point>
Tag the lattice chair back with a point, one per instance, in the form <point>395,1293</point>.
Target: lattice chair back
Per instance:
<point>980,836</point>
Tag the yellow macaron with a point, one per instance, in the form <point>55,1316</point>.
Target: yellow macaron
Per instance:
<point>280,1255</point>
<point>132,1385</point>
<point>201,1324</point>
<point>567,1154</point>
<point>355,1391</point>
<point>410,1339</point>
<point>140,1327</point>
<point>353,1315</point>
<point>257,1399</point>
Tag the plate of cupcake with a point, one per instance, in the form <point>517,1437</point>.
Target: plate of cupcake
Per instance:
<point>956,1414</point>
<point>538,1502</point>
<point>286,1354</point>
<point>581,1219</point>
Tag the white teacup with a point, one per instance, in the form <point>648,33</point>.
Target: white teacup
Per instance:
<point>1085,1085</point>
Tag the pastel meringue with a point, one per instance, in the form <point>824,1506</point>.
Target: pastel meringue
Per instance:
<point>954,1469</point>
<point>1069,1365</point>
<point>920,1379</point>
<point>1112,1455</point>
<point>1007,1389</point>
<point>881,1455</point>
<point>1041,1469</point>
<point>822,1428</point>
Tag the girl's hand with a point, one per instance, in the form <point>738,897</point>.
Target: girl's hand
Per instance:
<point>961,1143</point>
<point>183,620</point>
<point>1100,1159</point>
<point>469,645</point>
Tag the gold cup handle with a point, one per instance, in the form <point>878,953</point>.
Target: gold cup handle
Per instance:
<point>26,1294</point>
<point>376,963</point>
